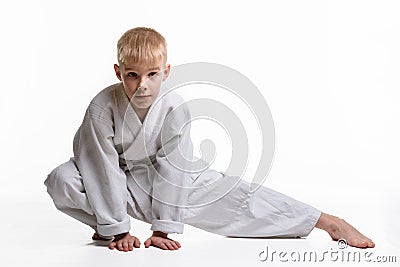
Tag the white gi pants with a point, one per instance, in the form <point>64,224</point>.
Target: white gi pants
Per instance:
<point>239,213</point>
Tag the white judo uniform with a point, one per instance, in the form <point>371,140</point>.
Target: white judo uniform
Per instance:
<point>124,168</point>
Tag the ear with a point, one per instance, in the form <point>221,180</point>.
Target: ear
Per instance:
<point>166,71</point>
<point>117,72</point>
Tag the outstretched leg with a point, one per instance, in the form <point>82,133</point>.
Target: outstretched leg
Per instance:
<point>245,213</point>
<point>338,228</point>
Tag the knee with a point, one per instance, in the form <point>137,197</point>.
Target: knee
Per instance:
<point>59,183</point>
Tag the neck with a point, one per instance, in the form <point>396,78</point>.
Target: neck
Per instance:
<point>141,113</point>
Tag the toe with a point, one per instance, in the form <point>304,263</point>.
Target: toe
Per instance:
<point>371,244</point>
<point>363,244</point>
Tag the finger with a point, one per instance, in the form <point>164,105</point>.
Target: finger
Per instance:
<point>120,246</point>
<point>112,245</point>
<point>125,244</point>
<point>147,243</point>
<point>137,243</point>
<point>174,245</point>
<point>163,246</point>
<point>178,244</point>
<point>130,245</point>
<point>170,246</point>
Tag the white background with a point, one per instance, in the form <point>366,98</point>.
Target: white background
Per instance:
<point>329,71</point>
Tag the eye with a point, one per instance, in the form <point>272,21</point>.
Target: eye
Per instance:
<point>151,74</point>
<point>132,75</point>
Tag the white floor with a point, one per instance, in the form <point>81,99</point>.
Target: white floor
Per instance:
<point>328,69</point>
<point>36,234</point>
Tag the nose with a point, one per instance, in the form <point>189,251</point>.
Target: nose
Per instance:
<point>142,84</point>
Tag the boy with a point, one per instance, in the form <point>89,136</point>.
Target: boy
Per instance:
<point>132,157</point>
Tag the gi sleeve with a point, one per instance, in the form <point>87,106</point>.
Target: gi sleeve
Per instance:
<point>104,180</point>
<point>170,183</point>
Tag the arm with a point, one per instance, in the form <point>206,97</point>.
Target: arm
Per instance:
<point>104,180</point>
<point>169,195</point>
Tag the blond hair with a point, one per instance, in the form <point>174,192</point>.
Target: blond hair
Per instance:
<point>142,46</point>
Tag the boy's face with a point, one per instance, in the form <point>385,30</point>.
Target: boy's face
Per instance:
<point>142,82</point>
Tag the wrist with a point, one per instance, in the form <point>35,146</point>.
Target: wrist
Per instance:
<point>120,236</point>
<point>160,234</point>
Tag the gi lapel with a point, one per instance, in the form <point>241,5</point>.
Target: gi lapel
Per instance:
<point>144,134</point>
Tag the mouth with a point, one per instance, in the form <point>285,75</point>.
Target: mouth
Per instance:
<point>143,96</point>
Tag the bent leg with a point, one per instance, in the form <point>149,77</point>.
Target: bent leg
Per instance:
<point>64,185</point>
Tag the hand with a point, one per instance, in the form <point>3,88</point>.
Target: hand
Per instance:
<point>124,242</point>
<point>160,240</point>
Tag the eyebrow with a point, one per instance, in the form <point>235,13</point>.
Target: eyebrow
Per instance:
<point>154,68</point>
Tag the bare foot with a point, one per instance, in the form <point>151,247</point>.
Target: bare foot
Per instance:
<point>101,241</point>
<point>337,228</point>
<point>96,237</point>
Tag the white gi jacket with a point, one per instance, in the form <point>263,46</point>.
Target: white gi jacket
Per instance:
<point>118,159</point>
